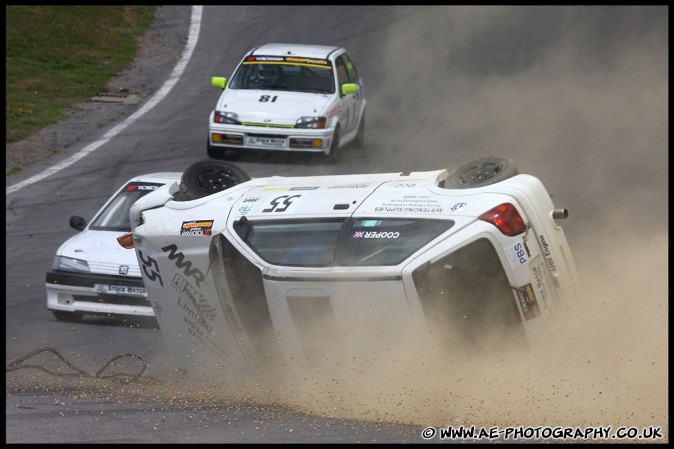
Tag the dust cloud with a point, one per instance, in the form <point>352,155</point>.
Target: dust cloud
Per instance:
<point>607,365</point>
<point>578,97</point>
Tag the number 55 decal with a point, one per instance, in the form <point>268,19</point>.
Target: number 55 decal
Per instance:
<point>287,201</point>
<point>150,269</point>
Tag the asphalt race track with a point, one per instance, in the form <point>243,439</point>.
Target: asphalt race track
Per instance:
<point>576,95</point>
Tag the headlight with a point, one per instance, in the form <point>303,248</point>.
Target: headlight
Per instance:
<point>311,122</point>
<point>226,117</point>
<point>63,263</point>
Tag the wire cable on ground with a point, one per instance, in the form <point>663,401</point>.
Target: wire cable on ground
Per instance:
<point>117,377</point>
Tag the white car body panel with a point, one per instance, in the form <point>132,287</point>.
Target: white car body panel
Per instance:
<point>380,305</point>
<point>284,111</point>
<point>102,252</point>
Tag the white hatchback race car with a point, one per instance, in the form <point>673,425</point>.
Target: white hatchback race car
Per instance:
<point>295,269</point>
<point>289,97</point>
<point>91,274</point>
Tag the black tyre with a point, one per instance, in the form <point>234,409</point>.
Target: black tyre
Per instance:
<point>360,135</point>
<point>69,317</point>
<point>215,152</point>
<point>482,172</point>
<point>333,157</point>
<point>211,151</point>
<point>204,178</point>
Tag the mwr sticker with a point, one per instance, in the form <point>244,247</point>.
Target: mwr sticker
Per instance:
<point>196,227</point>
<point>527,299</point>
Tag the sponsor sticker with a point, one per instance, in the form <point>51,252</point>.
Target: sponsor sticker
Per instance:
<point>375,235</point>
<point>350,186</point>
<point>266,141</point>
<point>196,227</point>
<point>410,204</point>
<point>516,254</point>
<point>455,207</point>
<point>324,63</point>
<point>528,302</point>
<point>123,290</point>
<point>243,210</point>
<point>546,252</point>
<point>543,283</point>
<point>133,186</point>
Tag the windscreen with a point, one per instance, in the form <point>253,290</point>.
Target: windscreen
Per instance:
<point>115,215</point>
<point>285,73</point>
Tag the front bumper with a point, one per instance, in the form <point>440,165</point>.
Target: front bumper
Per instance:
<point>97,294</point>
<point>268,138</point>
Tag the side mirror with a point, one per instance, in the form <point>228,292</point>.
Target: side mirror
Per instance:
<point>78,223</point>
<point>219,81</point>
<point>349,88</point>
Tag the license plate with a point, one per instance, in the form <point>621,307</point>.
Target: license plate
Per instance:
<point>266,141</point>
<point>126,290</point>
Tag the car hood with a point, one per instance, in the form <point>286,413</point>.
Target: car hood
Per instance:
<point>102,252</point>
<point>285,110</point>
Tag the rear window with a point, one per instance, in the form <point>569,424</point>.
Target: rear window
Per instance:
<point>362,242</point>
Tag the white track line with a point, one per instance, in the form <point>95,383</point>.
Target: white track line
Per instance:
<point>195,26</point>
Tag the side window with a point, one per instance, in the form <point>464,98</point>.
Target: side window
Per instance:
<point>342,74</point>
<point>292,243</point>
<point>351,69</point>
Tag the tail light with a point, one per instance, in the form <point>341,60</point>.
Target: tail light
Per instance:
<point>506,218</point>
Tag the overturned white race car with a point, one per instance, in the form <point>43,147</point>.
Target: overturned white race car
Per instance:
<point>295,268</point>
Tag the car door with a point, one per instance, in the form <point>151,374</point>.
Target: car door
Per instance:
<point>359,96</point>
<point>348,117</point>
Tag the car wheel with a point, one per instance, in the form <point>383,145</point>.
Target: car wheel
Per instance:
<point>482,172</point>
<point>334,148</point>
<point>69,317</point>
<point>204,178</point>
<point>360,135</point>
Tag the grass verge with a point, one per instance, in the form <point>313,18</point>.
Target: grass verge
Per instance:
<point>57,56</point>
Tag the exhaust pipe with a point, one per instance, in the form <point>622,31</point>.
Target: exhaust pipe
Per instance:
<point>560,213</point>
